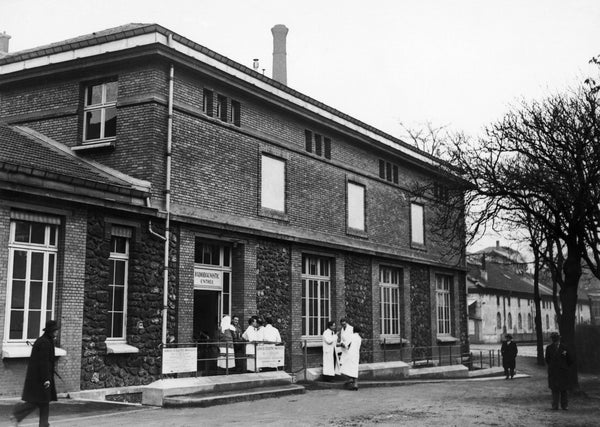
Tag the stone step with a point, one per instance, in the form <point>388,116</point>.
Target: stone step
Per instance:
<point>203,400</point>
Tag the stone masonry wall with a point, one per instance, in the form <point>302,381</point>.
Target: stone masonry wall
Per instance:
<point>273,288</point>
<point>358,297</point>
<point>145,283</point>
<point>420,306</point>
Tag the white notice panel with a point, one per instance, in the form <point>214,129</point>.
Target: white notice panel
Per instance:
<point>267,356</point>
<point>176,360</point>
<point>208,280</point>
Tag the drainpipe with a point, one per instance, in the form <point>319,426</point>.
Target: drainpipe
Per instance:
<point>167,208</point>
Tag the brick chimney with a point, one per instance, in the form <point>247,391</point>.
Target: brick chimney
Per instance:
<point>279,53</point>
<point>4,38</point>
<point>483,271</point>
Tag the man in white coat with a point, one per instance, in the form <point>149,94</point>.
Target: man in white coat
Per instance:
<point>352,359</point>
<point>270,333</point>
<point>251,335</point>
<point>346,332</point>
<point>330,357</point>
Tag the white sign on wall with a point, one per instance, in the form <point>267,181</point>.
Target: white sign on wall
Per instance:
<point>208,280</point>
<point>176,360</point>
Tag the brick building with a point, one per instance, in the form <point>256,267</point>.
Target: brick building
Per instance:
<point>120,144</point>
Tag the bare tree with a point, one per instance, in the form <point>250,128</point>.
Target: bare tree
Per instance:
<point>542,162</point>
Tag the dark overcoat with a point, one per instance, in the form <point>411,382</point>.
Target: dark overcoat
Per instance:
<point>558,360</point>
<point>39,370</point>
<point>509,354</point>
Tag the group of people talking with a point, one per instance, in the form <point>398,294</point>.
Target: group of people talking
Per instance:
<point>341,352</point>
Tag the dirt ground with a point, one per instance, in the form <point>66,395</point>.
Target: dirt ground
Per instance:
<point>489,402</point>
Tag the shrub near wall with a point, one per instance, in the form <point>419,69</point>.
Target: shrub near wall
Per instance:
<point>587,346</point>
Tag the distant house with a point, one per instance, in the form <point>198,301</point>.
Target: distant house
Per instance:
<point>500,298</point>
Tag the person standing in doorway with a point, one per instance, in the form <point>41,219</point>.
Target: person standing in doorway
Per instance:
<point>39,389</point>
<point>558,360</point>
<point>330,357</point>
<point>509,356</point>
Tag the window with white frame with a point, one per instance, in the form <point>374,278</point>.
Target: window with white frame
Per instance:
<point>316,294</point>
<point>389,284</point>
<point>100,111</point>
<point>31,291</point>
<point>443,287</point>
<point>216,257</point>
<point>117,286</point>
<point>272,188</point>
<point>417,226</point>
<point>356,206</point>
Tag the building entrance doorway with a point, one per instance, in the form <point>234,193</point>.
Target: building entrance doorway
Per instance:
<point>207,305</point>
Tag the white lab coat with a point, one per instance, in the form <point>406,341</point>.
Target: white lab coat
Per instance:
<point>271,334</point>
<point>352,357</point>
<point>329,366</point>
<point>251,334</point>
<point>345,338</point>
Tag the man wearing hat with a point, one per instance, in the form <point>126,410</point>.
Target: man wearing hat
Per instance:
<point>509,356</point>
<point>39,389</point>
<point>558,360</point>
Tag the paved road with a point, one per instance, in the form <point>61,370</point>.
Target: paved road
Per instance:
<point>496,402</point>
<point>524,350</point>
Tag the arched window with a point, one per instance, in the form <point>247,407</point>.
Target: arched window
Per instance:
<point>498,321</point>
<point>529,322</point>
<point>520,322</point>
<point>547,322</point>
<point>509,321</point>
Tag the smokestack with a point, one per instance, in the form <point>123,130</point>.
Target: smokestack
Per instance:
<point>4,38</point>
<point>279,54</point>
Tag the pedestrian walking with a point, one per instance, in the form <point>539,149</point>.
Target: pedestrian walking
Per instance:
<point>509,352</point>
<point>558,360</point>
<point>349,366</point>
<point>331,363</point>
<point>39,389</point>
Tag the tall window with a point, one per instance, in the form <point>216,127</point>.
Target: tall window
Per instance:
<point>547,322</point>
<point>389,283</point>
<point>100,111</point>
<point>222,108</point>
<point>498,321</point>
<point>529,322</point>
<point>417,229</point>
<point>443,286</point>
<point>216,257</point>
<point>207,102</point>
<point>520,321</point>
<point>316,288</point>
<point>272,183</point>
<point>236,113</point>
<point>509,321</point>
<point>31,277</point>
<point>356,206</point>
<point>117,287</point>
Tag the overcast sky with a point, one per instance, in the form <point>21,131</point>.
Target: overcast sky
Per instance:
<point>458,63</point>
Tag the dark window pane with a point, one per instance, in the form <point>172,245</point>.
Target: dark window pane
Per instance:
<point>395,174</point>
<point>21,231</point>
<point>198,252</point>
<point>226,282</point>
<point>236,113</point>
<point>388,171</point>
<point>119,298</point>
<point>111,298</point>
<point>51,267</point>
<point>111,271</point>
<point>117,331</point>
<point>49,296</point>
<point>33,327</point>
<point>92,124</point>
<point>35,295</point>
<point>216,254</point>
<point>119,273</point>
<point>16,325</point>
<point>317,144</point>
<point>226,256</point>
<point>120,245</point>
<point>308,140</point>
<point>19,265</point>
<point>38,233</point>
<point>207,102</point>
<point>37,266</point>
<point>53,230</point>
<point>327,148</point>
<point>110,122</point>
<point>225,304</point>
<point>18,294</point>
<point>111,91</point>
<point>94,95</point>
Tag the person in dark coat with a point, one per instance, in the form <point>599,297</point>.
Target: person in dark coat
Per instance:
<point>39,389</point>
<point>509,356</point>
<point>558,360</point>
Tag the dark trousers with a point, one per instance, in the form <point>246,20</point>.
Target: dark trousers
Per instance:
<point>509,368</point>
<point>21,410</point>
<point>559,395</point>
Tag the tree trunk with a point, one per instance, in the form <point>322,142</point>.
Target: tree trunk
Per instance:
<point>538,317</point>
<point>568,299</point>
